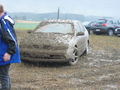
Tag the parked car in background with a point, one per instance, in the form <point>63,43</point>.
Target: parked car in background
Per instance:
<point>90,26</point>
<point>56,40</point>
<point>105,26</point>
<point>117,31</point>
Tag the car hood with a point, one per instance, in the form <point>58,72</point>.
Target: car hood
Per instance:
<point>47,40</point>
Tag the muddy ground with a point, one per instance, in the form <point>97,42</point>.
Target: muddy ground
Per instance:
<point>100,70</point>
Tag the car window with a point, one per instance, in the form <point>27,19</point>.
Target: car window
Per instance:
<point>114,22</point>
<point>101,21</point>
<point>78,27</point>
<point>56,27</point>
<point>118,22</point>
<point>111,22</point>
<point>82,27</point>
<point>92,23</point>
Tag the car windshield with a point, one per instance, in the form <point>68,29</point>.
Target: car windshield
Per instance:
<point>101,21</point>
<point>56,27</point>
<point>92,23</point>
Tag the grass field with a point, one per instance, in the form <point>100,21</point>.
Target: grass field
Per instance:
<point>25,26</point>
<point>103,42</point>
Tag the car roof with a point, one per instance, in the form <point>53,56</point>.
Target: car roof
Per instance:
<point>108,19</point>
<point>61,21</point>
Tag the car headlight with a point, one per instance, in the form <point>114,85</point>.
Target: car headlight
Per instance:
<point>116,30</point>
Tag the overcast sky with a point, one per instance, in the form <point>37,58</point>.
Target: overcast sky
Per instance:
<point>85,7</point>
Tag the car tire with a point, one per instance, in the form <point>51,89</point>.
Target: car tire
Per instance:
<point>95,33</point>
<point>75,59</point>
<point>110,32</point>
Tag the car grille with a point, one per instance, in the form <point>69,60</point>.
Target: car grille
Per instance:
<point>118,30</point>
<point>46,56</point>
<point>43,54</point>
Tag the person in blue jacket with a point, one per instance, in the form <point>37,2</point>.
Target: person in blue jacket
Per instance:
<point>9,50</point>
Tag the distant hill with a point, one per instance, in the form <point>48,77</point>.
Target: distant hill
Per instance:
<point>93,18</point>
<point>46,16</point>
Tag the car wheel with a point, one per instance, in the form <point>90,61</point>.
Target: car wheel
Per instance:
<point>95,33</point>
<point>75,58</point>
<point>110,32</point>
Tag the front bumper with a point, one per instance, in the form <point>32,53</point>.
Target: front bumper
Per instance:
<point>100,30</point>
<point>42,55</point>
<point>117,31</point>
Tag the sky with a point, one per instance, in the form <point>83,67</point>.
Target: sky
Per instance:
<point>86,7</point>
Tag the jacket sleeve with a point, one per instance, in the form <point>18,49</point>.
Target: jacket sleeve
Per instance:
<point>7,36</point>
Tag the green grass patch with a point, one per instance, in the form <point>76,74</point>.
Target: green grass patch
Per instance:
<point>25,26</point>
<point>102,42</point>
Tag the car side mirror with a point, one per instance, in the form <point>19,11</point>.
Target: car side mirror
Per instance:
<point>80,33</point>
<point>70,33</point>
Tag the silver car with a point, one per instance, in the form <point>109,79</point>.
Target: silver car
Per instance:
<point>56,40</point>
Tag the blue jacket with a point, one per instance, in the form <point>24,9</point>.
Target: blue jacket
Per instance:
<point>8,41</point>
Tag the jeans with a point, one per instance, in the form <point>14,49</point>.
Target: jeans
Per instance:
<point>5,83</point>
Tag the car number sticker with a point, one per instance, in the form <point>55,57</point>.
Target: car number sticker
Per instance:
<point>97,29</point>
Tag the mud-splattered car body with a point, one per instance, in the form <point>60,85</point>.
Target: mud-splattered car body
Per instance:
<point>65,41</point>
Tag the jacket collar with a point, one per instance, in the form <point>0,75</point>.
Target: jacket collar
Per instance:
<point>3,15</point>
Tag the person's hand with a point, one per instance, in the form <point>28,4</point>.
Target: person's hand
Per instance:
<point>6,57</point>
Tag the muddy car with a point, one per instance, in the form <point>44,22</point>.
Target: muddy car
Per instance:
<point>56,40</point>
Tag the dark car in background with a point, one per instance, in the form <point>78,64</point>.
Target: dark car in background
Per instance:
<point>117,31</point>
<point>103,26</point>
<point>90,26</point>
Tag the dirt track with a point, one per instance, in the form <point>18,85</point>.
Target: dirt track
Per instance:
<point>100,70</point>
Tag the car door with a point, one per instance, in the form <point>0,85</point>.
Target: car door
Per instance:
<point>84,37</point>
<point>80,38</point>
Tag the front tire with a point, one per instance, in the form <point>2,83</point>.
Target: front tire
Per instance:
<point>75,58</point>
